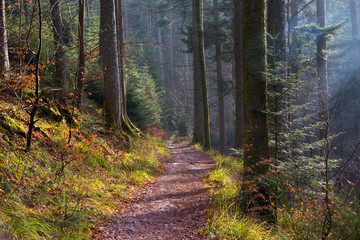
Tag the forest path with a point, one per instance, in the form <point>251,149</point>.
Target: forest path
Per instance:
<point>174,207</point>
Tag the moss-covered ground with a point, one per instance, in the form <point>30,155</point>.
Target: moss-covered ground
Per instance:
<point>75,176</point>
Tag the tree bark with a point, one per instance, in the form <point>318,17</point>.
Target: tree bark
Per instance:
<point>159,41</point>
<point>202,74</point>
<point>82,61</point>
<point>35,104</point>
<point>4,54</point>
<point>198,135</point>
<point>239,106</point>
<point>256,148</point>
<point>60,67</point>
<point>220,84</point>
<point>112,90</point>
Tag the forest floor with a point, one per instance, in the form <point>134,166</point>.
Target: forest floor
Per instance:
<point>175,206</point>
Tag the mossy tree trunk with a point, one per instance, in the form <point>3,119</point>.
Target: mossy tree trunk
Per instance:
<point>202,74</point>
<point>239,106</point>
<point>112,89</point>
<point>81,61</point>
<point>198,134</point>
<point>256,148</point>
<point>126,123</point>
<point>4,54</point>
<point>60,67</point>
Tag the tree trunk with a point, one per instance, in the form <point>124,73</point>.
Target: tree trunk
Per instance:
<point>220,84</point>
<point>198,136</point>
<point>239,106</point>
<point>202,74</point>
<point>126,123</point>
<point>322,70</point>
<point>159,41</point>
<point>256,148</point>
<point>60,68</point>
<point>112,90</point>
<point>4,54</point>
<point>82,61</point>
<point>35,104</point>
<point>276,28</point>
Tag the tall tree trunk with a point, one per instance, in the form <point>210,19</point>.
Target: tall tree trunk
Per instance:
<point>60,67</point>
<point>112,90</point>
<point>239,106</point>
<point>198,135</point>
<point>121,51</point>
<point>202,74</point>
<point>322,70</point>
<point>126,123</point>
<point>256,148</point>
<point>159,40</point>
<point>220,83</point>
<point>4,54</point>
<point>82,61</point>
<point>276,28</point>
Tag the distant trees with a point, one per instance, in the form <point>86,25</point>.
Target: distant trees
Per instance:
<point>59,56</point>
<point>82,56</point>
<point>4,55</point>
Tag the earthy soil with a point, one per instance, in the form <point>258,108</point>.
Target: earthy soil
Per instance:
<point>173,207</point>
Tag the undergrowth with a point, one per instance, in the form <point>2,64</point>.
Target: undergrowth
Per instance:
<point>226,220</point>
<point>300,211</point>
<point>62,189</point>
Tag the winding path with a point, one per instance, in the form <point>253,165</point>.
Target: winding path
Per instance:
<point>174,207</point>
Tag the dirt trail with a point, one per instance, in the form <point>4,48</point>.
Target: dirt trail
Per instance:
<point>174,207</point>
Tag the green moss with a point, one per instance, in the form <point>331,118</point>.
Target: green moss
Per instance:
<point>51,113</point>
<point>11,126</point>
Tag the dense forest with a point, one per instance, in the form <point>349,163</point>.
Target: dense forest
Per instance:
<point>93,91</point>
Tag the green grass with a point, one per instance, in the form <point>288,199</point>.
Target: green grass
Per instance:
<point>300,215</point>
<point>226,220</point>
<point>63,191</point>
